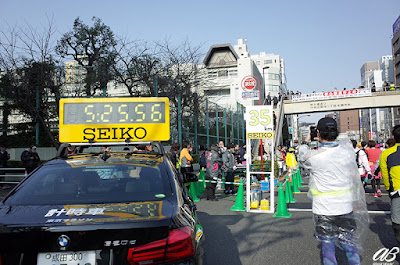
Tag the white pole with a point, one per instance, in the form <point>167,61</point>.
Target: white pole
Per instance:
<point>248,161</point>
<point>272,182</point>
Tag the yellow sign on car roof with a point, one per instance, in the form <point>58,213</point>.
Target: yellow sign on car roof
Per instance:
<point>113,119</point>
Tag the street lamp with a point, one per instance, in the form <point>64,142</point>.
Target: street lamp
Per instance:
<point>263,77</point>
<point>259,103</point>
<point>298,128</point>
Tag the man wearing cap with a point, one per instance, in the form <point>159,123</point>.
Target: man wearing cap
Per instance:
<point>338,199</point>
<point>30,158</point>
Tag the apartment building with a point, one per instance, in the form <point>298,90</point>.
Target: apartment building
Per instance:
<point>396,51</point>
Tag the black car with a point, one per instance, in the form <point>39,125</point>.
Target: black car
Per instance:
<point>95,206</point>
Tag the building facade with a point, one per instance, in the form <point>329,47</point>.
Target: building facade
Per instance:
<point>272,68</point>
<point>227,67</point>
<point>396,51</point>
<point>377,123</point>
<point>386,65</point>
<point>348,121</point>
<point>366,70</point>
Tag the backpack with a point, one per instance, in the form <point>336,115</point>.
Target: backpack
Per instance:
<point>357,154</point>
<point>203,160</point>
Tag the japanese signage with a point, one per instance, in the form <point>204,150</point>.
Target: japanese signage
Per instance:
<point>72,214</point>
<point>332,95</point>
<point>396,26</point>
<point>320,106</point>
<point>251,86</point>
<point>114,119</point>
<point>259,122</point>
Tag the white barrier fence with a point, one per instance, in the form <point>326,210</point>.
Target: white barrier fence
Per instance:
<point>12,175</point>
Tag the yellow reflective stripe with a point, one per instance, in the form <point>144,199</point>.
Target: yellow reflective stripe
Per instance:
<point>329,193</point>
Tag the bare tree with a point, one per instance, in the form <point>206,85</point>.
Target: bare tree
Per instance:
<point>173,70</point>
<point>180,71</point>
<point>29,73</point>
<point>93,48</point>
<point>179,77</point>
<point>135,65</point>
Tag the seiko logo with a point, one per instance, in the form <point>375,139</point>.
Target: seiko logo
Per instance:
<point>114,133</point>
<point>116,243</point>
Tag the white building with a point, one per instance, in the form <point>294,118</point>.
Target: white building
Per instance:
<point>378,121</point>
<point>386,65</point>
<point>272,68</point>
<point>228,66</point>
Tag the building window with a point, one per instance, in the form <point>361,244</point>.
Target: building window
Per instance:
<point>232,73</point>
<point>219,92</point>
<point>212,74</point>
<point>258,63</point>
<point>273,88</point>
<point>273,76</point>
<point>267,61</point>
<point>222,73</point>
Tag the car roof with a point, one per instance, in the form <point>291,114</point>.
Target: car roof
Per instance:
<point>98,147</point>
<point>129,152</point>
<point>113,158</point>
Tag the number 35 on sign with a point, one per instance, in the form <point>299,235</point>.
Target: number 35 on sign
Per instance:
<point>259,122</point>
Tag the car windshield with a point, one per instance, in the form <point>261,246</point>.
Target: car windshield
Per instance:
<point>93,183</point>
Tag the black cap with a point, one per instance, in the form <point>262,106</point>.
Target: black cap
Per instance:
<point>327,124</point>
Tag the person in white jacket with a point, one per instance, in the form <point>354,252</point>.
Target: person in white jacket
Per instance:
<point>362,163</point>
<point>338,200</point>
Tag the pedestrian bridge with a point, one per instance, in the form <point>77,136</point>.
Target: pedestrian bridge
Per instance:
<point>381,99</point>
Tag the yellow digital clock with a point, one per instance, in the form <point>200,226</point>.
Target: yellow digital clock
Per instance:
<point>114,119</point>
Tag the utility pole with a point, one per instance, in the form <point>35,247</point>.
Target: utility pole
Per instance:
<point>37,116</point>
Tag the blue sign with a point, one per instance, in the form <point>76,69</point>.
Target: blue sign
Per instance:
<point>251,95</point>
<point>396,26</point>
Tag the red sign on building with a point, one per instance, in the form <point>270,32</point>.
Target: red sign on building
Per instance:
<point>251,87</point>
<point>249,83</point>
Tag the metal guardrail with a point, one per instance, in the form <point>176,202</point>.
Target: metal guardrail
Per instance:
<point>6,176</point>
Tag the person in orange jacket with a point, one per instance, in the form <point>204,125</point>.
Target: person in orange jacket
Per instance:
<point>186,158</point>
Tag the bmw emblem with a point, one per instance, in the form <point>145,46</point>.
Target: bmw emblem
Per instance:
<point>63,241</point>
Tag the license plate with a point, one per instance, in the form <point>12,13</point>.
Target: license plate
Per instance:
<point>67,258</point>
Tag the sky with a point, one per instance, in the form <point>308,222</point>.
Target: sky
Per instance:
<point>324,43</point>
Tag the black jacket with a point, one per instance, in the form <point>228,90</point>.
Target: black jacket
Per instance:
<point>3,158</point>
<point>28,162</point>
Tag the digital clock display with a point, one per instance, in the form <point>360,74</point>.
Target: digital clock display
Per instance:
<point>113,119</point>
<point>114,113</point>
